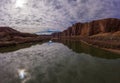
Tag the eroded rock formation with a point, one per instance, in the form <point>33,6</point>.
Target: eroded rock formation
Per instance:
<point>91,28</point>
<point>102,33</point>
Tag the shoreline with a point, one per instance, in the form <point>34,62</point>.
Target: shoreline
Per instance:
<point>112,50</point>
<point>22,41</point>
<point>8,43</point>
<point>106,49</point>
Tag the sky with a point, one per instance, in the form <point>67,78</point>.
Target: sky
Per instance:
<point>43,15</point>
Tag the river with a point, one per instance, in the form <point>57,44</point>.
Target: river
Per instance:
<point>58,62</point>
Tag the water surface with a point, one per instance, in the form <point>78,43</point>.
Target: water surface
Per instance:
<point>65,62</point>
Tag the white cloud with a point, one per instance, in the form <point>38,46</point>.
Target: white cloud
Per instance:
<point>38,15</point>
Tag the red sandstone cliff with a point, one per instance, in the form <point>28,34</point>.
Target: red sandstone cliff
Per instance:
<point>102,33</point>
<point>92,28</point>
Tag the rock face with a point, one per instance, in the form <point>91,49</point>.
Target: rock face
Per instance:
<point>91,28</point>
<point>103,33</point>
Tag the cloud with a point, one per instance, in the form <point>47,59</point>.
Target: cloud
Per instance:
<point>40,15</point>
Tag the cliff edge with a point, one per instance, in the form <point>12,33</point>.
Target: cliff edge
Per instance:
<point>103,33</point>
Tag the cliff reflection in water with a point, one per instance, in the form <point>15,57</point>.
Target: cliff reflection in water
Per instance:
<point>81,47</point>
<point>56,63</point>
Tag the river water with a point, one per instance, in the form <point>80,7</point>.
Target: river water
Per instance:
<point>59,62</point>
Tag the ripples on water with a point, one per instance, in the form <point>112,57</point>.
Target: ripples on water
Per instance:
<point>56,63</point>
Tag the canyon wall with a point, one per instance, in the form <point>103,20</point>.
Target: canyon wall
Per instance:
<point>91,28</point>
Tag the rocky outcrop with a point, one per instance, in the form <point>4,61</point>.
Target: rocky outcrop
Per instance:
<point>92,28</point>
<point>102,33</point>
